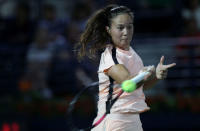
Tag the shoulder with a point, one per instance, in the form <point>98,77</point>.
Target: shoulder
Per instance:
<point>108,49</point>
<point>107,52</point>
<point>133,51</point>
<point>136,55</point>
<point>106,59</point>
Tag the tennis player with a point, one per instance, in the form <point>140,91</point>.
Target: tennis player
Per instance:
<point>111,28</point>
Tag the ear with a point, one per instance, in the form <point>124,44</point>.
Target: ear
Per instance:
<point>108,29</point>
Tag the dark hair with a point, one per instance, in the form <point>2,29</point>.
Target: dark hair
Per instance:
<point>95,36</point>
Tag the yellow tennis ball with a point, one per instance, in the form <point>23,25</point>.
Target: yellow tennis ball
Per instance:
<point>128,86</point>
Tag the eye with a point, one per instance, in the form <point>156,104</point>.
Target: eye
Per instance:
<point>130,26</point>
<point>120,27</point>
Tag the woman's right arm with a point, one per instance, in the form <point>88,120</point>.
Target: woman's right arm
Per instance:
<point>119,73</point>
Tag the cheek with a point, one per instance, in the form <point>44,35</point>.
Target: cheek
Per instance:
<point>116,34</point>
<point>116,38</point>
<point>131,31</point>
<point>131,34</point>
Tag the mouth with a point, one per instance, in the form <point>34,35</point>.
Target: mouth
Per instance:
<point>124,39</point>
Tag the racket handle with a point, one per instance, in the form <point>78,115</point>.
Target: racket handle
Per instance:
<point>139,77</point>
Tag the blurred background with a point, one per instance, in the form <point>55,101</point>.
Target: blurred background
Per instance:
<point>39,73</point>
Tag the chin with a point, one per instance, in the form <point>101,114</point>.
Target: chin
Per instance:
<point>125,44</point>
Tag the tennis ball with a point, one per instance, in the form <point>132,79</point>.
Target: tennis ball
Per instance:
<point>128,86</point>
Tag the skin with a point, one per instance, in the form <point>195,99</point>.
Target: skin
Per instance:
<point>121,32</point>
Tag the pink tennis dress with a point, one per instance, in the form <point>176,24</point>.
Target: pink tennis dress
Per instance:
<point>124,114</point>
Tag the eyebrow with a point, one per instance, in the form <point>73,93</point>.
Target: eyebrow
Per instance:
<point>124,24</point>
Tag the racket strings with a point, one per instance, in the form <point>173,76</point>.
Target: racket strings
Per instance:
<point>75,99</point>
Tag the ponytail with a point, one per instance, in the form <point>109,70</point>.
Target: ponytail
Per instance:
<point>95,37</point>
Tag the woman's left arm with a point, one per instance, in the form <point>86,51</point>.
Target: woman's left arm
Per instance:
<point>157,74</point>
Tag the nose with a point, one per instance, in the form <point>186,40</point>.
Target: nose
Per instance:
<point>125,31</point>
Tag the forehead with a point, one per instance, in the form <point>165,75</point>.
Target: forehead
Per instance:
<point>122,19</point>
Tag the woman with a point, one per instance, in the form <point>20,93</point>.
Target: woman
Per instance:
<point>111,29</point>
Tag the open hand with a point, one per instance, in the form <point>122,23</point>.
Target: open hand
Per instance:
<point>161,69</point>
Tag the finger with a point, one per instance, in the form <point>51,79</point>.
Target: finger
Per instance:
<point>164,77</point>
<point>170,65</point>
<point>165,71</point>
<point>165,74</point>
<point>143,70</point>
<point>162,60</point>
<point>161,71</point>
